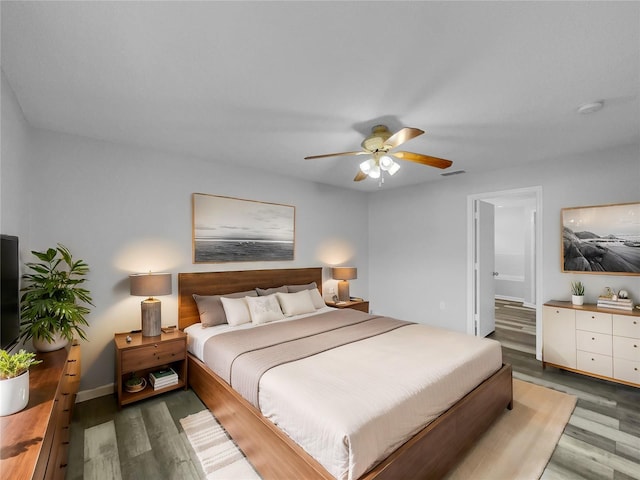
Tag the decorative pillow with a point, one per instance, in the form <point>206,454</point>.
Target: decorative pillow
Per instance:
<point>316,298</point>
<point>270,291</point>
<point>264,309</point>
<point>296,303</point>
<point>211,310</point>
<point>236,310</point>
<point>312,287</point>
<point>298,288</point>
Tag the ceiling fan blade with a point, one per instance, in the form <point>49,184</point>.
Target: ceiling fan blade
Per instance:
<point>337,155</point>
<point>423,159</point>
<point>402,136</point>
<point>359,176</point>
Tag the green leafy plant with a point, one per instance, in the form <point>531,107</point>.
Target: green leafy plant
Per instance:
<point>54,300</point>
<point>14,365</point>
<point>577,288</point>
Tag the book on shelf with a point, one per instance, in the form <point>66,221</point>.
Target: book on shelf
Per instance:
<point>163,378</point>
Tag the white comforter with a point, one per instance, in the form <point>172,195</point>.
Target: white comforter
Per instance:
<point>350,407</point>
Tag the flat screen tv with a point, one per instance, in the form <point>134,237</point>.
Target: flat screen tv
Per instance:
<point>10,286</point>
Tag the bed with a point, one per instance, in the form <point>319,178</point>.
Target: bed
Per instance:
<point>429,453</point>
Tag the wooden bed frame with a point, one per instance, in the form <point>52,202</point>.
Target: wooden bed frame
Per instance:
<point>430,454</point>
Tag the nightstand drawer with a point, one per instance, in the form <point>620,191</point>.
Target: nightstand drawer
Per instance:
<point>152,355</point>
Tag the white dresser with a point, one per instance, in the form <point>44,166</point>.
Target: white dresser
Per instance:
<point>593,341</point>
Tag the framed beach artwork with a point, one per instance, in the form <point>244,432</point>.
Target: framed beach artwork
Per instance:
<point>602,239</point>
<point>227,229</point>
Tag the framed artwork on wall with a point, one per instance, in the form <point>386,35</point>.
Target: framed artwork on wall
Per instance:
<point>226,229</point>
<point>603,239</point>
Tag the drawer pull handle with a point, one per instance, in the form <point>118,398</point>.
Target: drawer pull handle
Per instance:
<point>73,360</point>
<point>593,338</point>
<point>593,359</point>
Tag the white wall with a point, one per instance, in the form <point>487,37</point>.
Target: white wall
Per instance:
<point>14,181</point>
<point>128,210</point>
<point>418,238</point>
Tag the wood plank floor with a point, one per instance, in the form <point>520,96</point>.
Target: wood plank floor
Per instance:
<point>601,441</point>
<point>602,438</point>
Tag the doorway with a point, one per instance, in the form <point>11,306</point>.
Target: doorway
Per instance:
<point>526,278</point>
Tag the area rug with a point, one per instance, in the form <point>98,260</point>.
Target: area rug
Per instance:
<point>516,447</point>
<point>520,443</point>
<point>219,456</point>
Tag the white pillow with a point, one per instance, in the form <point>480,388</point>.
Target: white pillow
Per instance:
<point>316,298</point>
<point>264,309</point>
<point>296,303</point>
<point>236,310</point>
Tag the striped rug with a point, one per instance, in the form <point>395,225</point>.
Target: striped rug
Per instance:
<point>218,454</point>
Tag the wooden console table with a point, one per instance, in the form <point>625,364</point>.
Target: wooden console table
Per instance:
<point>35,441</point>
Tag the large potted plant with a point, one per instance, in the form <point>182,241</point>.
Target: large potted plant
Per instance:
<point>14,380</point>
<point>54,302</point>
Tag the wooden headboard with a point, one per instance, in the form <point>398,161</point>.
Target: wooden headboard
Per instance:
<point>221,283</point>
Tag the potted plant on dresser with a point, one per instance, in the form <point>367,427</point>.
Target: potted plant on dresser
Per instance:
<point>14,380</point>
<point>54,302</point>
<point>577,293</point>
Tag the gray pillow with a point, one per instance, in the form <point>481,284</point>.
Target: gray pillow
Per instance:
<point>210,307</point>
<point>270,291</point>
<point>298,288</point>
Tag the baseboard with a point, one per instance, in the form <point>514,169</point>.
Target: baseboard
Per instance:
<point>102,391</point>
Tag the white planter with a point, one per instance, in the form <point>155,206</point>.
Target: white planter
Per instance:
<point>42,345</point>
<point>14,394</point>
<point>577,299</point>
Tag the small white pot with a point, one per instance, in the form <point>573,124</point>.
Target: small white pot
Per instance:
<point>14,394</point>
<point>577,299</point>
<point>41,345</point>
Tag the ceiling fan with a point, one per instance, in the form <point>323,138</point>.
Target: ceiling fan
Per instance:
<point>379,145</point>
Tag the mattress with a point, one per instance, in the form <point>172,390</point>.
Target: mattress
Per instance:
<point>351,406</point>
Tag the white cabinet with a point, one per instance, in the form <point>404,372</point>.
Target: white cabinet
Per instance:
<point>559,336</point>
<point>589,340</point>
<point>626,348</point>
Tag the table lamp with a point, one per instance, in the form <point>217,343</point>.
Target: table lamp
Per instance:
<point>149,285</point>
<point>344,274</point>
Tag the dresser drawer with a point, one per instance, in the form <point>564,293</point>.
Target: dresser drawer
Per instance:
<point>594,322</point>
<point>626,370</point>
<point>593,342</point>
<point>152,355</point>
<point>627,348</point>
<point>626,326</point>
<point>595,363</point>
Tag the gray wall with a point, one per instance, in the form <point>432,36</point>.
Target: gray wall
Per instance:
<point>128,210</point>
<point>418,235</point>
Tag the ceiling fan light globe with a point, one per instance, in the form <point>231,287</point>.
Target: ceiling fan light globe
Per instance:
<point>374,172</point>
<point>386,162</point>
<point>393,169</point>
<point>365,167</point>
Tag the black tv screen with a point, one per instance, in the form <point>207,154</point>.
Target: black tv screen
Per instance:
<point>10,286</point>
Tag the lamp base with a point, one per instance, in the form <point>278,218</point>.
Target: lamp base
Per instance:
<point>151,317</point>
<point>343,291</point>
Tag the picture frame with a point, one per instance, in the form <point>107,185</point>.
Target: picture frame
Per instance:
<point>601,239</point>
<point>228,229</point>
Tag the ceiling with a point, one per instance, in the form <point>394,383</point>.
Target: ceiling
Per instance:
<point>264,84</point>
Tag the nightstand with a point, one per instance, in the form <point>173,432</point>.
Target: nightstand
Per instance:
<point>361,305</point>
<point>143,355</point>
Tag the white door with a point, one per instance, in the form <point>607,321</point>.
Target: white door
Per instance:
<point>484,269</point>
